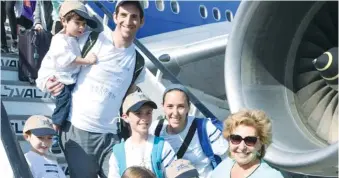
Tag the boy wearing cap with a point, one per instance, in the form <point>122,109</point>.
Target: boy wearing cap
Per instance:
<point>139,147</point>
<point>38,131</point>
<point>88,135</point>
<point>63,60</point>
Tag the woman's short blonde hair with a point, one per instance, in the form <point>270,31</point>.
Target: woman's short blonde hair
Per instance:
<point>254,118</point>
<point>137,172</point>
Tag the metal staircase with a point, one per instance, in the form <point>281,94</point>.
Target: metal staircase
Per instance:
<point>22,100</point>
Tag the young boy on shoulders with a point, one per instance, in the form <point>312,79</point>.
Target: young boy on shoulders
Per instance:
<point>38,131</point>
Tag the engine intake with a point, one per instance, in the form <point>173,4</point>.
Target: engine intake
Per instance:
<point>270,65</point>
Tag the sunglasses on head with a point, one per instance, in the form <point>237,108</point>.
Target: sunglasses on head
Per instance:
<point>249,141</point>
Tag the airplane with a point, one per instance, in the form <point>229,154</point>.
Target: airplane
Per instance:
<point>166,16</point>
<point>267,65</point>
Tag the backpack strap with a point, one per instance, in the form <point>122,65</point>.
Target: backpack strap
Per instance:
<point>92,38</point>
<point>206,143</point>
<point>159,127</point>
<point>217,123</point>
<point>139,65</point>
<point>119,153</point>
<point>187,140</point>
<point>156,156</point>
<point>123,128</point>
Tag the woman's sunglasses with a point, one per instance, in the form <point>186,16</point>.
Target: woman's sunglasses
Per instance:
<point>249,141</point>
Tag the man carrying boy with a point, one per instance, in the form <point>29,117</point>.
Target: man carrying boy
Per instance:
<point>63,59</point>
<point>89,134</point>
<point>38,131</point>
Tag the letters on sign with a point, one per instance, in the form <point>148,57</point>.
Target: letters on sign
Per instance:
<point>23,92</point>
<point>9,62</point>
<point>17,126</point>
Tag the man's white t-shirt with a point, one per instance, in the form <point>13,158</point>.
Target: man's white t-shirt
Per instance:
<point>140,155</point>
<point>100,88</point>
<point>43,167</point>
<point>98,93</point>
<point>58,61</point>
<point>194,152</point>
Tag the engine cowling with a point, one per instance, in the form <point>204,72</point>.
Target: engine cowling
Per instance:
<point>272,64</point>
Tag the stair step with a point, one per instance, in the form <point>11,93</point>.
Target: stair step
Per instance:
<point>18,89</point>
<point>17,123</point>
<point>28,106</point>
<point>10,60</point>
<point>9,73</point>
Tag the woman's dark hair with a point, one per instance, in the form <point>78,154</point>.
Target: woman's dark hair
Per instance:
<point>176,87</point>
<point>138,172</point>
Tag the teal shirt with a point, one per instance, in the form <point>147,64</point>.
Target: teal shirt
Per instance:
<point>55,13</point>
<point>264,170</point>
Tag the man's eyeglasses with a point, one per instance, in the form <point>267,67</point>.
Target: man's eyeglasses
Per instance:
<point>249,141</point>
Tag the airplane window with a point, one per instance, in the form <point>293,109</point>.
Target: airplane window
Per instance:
<point>175,6</point>
<point>145,3</point>
<point>203,11</point>
<point>111,1</point>
<point>160,5</point>
<point>216,13</point>
<point>229,15</point>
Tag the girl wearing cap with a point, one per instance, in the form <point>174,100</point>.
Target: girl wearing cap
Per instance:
<point>248,132</point>
<point>141,148</point>
<point>176,128</point>
<point>38,131</point>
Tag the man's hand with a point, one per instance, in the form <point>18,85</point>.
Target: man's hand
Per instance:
<point>38,27</point>
<point>56,127</point>
<point>133,88</point>
<point>91,58</point>
<point>53,86</point>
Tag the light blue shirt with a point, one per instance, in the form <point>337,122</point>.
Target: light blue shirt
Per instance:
<point>264,170</point>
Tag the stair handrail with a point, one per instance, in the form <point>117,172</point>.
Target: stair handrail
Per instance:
<point>197,103</point>
<point>11,146</point>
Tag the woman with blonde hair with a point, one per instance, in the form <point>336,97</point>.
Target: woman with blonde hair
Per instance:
<point>249,133</point>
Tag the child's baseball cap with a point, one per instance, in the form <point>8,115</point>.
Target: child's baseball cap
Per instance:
<point>39,125</point>
<point>80,9</point>
<point>134,101</point>
<point>181,168</point>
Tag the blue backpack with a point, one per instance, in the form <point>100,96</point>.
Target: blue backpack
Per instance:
<point>119,153</point>
<point>198,124</point>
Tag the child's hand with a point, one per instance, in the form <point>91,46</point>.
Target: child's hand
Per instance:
<point>91,58</point>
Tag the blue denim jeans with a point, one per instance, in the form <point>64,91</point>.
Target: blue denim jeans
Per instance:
<point>62,105</point>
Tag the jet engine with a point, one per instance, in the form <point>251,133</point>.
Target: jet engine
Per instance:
<point>282,57</point>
